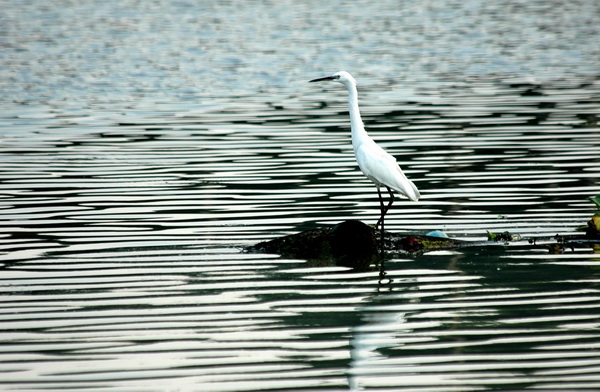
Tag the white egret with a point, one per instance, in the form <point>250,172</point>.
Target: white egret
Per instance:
<point>379,166</point>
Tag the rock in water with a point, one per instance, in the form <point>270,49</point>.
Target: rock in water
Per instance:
<point>353,244</point>
<point>350,244</point>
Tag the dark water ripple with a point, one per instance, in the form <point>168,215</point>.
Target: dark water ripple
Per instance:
<point>123,268</point>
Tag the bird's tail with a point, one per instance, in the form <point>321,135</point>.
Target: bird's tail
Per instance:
<point>407,188</point>
<point>415,195</point>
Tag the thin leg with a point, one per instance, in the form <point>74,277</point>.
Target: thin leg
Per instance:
<point>383,209</point>
<point>381,234</point>
<point>381,221</point>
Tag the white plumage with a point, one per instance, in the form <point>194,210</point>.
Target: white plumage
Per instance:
<point>379,166</point>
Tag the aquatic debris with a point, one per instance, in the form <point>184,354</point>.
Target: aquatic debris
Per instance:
<point>596,201</point>
<point>355,245</point>
<point>351,244</point>
<point>437,233</point>
<point>592,227</point>
<point>506,236</point>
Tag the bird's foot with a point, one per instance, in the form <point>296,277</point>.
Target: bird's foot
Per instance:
<point>383,280</point>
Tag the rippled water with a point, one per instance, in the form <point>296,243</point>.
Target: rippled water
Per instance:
<point>143,145</point>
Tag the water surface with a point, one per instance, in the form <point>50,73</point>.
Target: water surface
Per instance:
<point>143,145</point>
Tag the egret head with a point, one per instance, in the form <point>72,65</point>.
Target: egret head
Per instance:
<point>343,77</point>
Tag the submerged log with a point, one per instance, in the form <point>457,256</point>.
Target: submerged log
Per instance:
<point>356,245</point>
<point>351,244</point>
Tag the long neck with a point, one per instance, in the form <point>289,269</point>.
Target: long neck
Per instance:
<point>356,124</point>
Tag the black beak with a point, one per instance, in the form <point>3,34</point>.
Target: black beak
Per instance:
<point>323,79</point>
